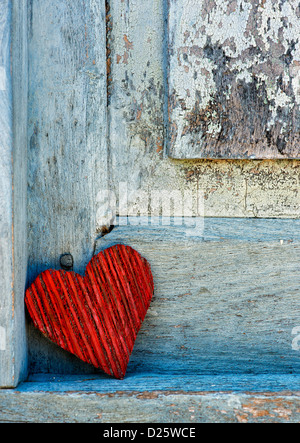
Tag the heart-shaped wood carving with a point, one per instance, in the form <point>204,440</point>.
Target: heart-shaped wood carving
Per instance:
<point>96,317</point>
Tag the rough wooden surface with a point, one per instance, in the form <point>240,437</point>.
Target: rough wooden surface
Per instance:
<point>249,188</point>
<point>136,90</point>
<point>100,383</point>
<point>13,98</point>
<point>6,252</point>
<point>68,162</point>
<point>224,302</point>
<point>20,103</point>
<point>243,188</point>
<point>232,189</point>
<point>67,155</point>
<point>234,79</point>
<point>31,404</point>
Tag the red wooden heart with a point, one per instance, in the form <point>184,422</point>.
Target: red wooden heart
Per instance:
<point>96,317</point>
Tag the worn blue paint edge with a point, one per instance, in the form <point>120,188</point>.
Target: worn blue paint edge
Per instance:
<point>273,383</point>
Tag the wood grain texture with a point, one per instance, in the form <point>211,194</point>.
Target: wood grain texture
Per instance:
<point>224,302</point>
<point>148,382</point>
<point>30,403</point>
<point>234,79</point>
<point>6,201</point>
<point>136,92</point>
<point>67,130</point>
<point>13,123</point>
<point>67,149</point>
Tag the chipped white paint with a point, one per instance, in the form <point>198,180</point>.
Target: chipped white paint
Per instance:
<point>193,25</point>
<point>272,32</point>
<point>296,82</point>
<point>231,61</point>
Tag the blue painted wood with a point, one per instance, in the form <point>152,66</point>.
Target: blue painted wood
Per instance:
<point>162,382</point>
<point>225,302</point>
<point>153,399</point>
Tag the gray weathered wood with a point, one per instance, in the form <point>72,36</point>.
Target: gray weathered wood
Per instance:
<point>20,123</point>
<point>67,155</point>
<point>32,404</point>
<point>225,302</point>
<point>136,90</point>
<point>234,79</point>
<point>13,123</point>
<point>6,199</point>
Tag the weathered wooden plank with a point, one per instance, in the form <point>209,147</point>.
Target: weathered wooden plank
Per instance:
<point>20,123</point>
<point>232,188</point>
<point>148,407</point>
<point>136,90</point>
<point>13,122</point>
<point>6,198</point>
<point>67,131</point>
<point>234,79</point>
<point>224,302</point>
<point>244,188</point>
<point>162,382</point>
<point>224,306</point>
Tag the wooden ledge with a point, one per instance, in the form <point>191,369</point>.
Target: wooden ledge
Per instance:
<point>154,399</point>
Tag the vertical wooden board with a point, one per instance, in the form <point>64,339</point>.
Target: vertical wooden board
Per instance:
<point>136,89</point>
<point>234,79</point>
<point>67,152</point>
<point>12,205</point>
<point>6,199</point>
<point>67,129</point>
<point>19,50</point>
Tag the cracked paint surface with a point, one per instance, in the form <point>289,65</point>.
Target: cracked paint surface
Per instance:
<point>234,79</point>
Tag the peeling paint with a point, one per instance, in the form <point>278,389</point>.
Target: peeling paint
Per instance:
<point>242,57</point>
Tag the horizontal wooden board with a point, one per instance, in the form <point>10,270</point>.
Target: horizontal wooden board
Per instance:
<point>162,382</point>
<point>219,306</point>
<point>234,72</point>
<point>224,302</point>
<point>31,403</point>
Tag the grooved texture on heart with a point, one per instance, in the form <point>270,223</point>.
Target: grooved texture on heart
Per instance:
<point>96,317</point>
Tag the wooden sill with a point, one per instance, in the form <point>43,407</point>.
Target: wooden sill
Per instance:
<point>153,398</point>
